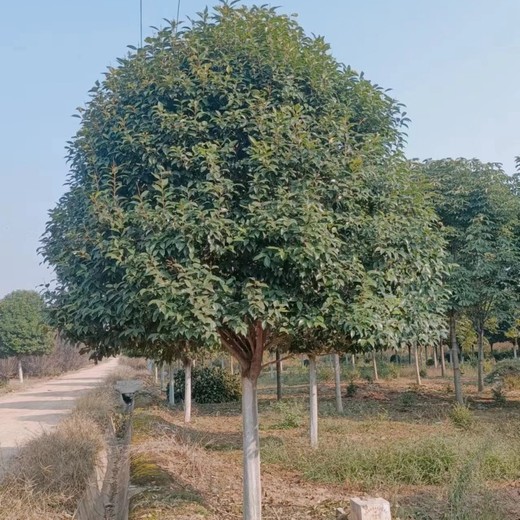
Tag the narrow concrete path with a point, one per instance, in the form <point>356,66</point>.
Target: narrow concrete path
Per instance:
<point>27,413</point>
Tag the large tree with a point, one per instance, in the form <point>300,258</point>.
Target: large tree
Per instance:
<point>228,181</point>
<point>23,329</point>
<point>480,211</point>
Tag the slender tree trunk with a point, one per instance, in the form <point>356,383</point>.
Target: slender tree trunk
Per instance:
<point>231,365</point>
<point>252,483</point>
<point>417,366</point>
<point>187,390</point>
<point>161,376</point>
<point>454,357</point>
<point>155,372</point>
<point>171,387</point>
<point>480,364</point>
<point>20,371</point>
<point>337,379</point>
<point>443,361</point>
<point>354,361</point>
<point>278,376</point>
<point>374,365</point>
<point>515,348</point>
<point>435,357</point>
<point>249,350</point>
<point>409,354</point>
<point>222,363</point>
<point>313,393</point>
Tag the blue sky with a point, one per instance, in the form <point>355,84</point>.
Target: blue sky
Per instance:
<point>455,64</point>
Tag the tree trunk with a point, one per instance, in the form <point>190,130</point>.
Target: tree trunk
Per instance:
<point>515,348</point>
<point>480,364</point>
<point>249,350</point>
<point>417,366</point>
<point>454,357</point>
<point>278,376</point>
<point>155,372</point>
<point>313,394</point>
<point>252,483</point>
<point>231,365</point>
<point>337,379</point>
<point>171,387</point>
<point>409,354</point>
<point>435,356</point>
<point>187,390</point>
<point>374,365</point>
<point>354,361</point>
<point>443,361</point>
<point>161,376</point>
<point>20,371</point>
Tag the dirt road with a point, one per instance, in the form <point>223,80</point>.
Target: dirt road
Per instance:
<point>29,412</point>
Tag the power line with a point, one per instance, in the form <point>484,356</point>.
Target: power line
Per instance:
<point>177,20</point>
<point>140,23</point>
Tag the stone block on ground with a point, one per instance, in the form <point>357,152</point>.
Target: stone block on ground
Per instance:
<point>370,509</point>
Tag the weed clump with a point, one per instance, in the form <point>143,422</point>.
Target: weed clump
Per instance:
<point>461,416</point>
<point>290,415</point>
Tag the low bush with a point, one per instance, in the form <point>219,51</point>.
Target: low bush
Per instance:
<point>290,415</point>
<point>498,395</point>
<point>209,385</point>
<point>505,370</point>
<point>461,416</point>
<point>351,389</point>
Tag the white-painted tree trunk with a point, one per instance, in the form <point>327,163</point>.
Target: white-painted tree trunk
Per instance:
<point>156,372</point>
<point>251,444</point>
<point>443,360</point>
<point>232,365</point>
<point>161,376</point>
<point>417,366</point>
<point>354,361</point>
<point>454,358</point>
<point>374,365</point>
<point>337,379</point>
<point>171,392</point>
<point>313,394</point>
<point>187,390</point>
<point>278,376</point>
<point>20,371</point>
<point>515,348</point>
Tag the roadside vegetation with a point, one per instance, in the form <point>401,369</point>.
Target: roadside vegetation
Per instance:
<point>50,473</point>
<point>431,459</point>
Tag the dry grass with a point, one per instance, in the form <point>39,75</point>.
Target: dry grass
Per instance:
<point>50,473</point>
<point>137,363</point>
<point>394,439</point>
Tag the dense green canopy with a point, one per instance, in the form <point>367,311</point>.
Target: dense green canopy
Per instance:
<point>23,330</point>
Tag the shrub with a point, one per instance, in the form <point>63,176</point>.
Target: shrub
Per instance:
<point>498,395</point>
<point>209,385</point>
<point>423,372</point>
<point>291,415</point>
<point>351,389</point>
<point>461,416</point>
<point>407,400</point>
<point>4,381</point>
<point>430,362</point>
<point>507,369</point>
